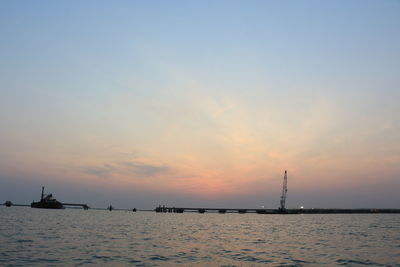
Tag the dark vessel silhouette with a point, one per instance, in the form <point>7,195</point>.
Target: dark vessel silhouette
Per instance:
<point>47,202</point>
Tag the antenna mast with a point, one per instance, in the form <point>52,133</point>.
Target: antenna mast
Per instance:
<point>284,192</point>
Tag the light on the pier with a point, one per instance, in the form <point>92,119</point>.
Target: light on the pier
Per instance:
<point>301,207</point>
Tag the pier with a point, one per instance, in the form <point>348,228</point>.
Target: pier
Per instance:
<point>84,206</point>
<point>164,209</point>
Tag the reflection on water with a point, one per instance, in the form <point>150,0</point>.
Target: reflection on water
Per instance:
<point>77,237</point>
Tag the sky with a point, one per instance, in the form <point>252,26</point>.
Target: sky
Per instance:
<point>201,103</point>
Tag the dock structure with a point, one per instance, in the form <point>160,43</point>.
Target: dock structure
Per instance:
<point>8,203</point>
<point>84,206</point>
<point>165,209</point>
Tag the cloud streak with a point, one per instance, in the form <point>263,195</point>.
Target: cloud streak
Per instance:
<point>137,169</point>
<point>146,169</point>
<point>104,171</point>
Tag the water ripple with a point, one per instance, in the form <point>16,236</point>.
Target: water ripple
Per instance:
<point>76,237</point>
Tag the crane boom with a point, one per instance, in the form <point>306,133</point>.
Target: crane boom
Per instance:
<point>284,192</point>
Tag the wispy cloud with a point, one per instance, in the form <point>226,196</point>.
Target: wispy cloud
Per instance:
<point>103,171</point>
<point>132,167</point>
<point>146,169</point>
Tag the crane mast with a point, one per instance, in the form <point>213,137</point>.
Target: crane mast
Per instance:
<point>284,192</point>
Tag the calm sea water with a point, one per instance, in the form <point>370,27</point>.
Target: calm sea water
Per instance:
<point>30,237</point>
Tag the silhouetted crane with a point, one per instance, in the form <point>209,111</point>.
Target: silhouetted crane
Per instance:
<point>284,193</point>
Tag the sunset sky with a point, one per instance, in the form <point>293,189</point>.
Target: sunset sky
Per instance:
<point>201,103</point>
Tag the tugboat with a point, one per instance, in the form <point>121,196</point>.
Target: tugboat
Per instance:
<point>47,202</point>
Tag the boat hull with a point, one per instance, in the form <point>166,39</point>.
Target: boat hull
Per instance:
<point>47,205</point>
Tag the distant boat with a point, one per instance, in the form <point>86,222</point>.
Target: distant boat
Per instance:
<point>47,202</point>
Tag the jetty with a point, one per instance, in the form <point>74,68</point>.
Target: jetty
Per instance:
<point>84,206</point>
<point>164,209</point>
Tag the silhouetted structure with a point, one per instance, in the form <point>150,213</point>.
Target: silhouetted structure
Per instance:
<point>84,206</point>
<point>282,208</point>
<point>168,209</point>
<point>8,203</point>
<point>47,202</point>
<point>276,211</point>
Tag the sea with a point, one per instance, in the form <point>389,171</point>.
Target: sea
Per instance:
<point>75,237</point>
